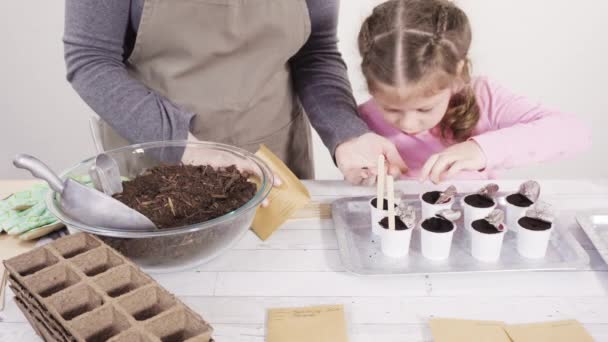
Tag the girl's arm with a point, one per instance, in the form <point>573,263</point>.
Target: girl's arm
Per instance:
<point>521,131</point>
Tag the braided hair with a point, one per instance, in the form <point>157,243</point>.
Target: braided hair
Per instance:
<point>422,43</point>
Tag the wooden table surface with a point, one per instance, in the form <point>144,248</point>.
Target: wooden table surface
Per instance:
<point>300,265</point>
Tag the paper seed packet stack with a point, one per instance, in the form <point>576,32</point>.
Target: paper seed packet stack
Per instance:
<point>79,289</point>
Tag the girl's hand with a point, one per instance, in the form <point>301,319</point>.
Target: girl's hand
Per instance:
<point>466,156</point>
<point>357,159</point>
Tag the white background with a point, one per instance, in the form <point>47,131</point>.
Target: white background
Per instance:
<point>550,50</point>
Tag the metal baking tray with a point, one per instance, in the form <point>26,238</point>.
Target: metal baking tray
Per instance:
<point>360,249</point>
<point>595,225</point>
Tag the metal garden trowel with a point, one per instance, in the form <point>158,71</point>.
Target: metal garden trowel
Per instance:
<point>85,204</point>
<point>105,175</point>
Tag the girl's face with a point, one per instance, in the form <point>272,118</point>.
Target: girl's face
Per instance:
<point>409,112</point>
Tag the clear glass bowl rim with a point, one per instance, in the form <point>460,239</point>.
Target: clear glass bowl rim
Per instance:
<point>260,195</point>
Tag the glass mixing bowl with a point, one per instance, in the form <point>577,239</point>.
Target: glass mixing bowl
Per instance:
<point>173,249</point>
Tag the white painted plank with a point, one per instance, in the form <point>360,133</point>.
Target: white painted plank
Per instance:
<point>599,332</point>
<point>392,310</point>
<point>315,284</point>
<point>367,333</point>
<point>22,332</point>
<point>291,240</point>
<point>18,332</point>
<point>409,310</point>
<point>275,255</point>
<point>525,284</point>
<point>190,283</point>
<point>239,332</point>
<point>308,224</point>
<point>390,333</point>
<point>276,261</point>
<point>357,333</point>
<point>11,312</point>
<point>256,333</point>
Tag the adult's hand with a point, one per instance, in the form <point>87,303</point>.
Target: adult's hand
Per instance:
<point>357,159</point>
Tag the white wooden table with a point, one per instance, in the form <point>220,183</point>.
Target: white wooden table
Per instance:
<point>299,265</point>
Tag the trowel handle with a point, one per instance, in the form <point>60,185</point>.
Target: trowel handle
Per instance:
<point>39,170</point>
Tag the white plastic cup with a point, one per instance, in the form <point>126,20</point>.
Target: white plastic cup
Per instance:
<point>395,243</point>
<point>430,210</point>
<point>376,216</point>
<point>533,244</point>
<point>486,247</point>
<point>513,214</point>
<point>472,213</point>
<point>436,246</point>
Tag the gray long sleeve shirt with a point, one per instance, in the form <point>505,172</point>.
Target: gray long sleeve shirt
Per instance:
<point>99,37</point>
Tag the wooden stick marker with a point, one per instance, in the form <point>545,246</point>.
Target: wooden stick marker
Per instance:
<point>380,185</point>
<point>391,202</point>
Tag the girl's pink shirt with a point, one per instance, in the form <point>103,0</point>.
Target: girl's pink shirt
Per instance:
<point>512,131</point>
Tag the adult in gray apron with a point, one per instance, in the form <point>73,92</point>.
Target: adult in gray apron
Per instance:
<point>235,76</point>
<point>225,71</point>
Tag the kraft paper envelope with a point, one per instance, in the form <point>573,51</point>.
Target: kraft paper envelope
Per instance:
<point>285,200</point>
<point>324,323</point>
<point>459,330</point>
<point>560,331</point>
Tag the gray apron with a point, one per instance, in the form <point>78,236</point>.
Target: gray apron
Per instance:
<point>227,61</point>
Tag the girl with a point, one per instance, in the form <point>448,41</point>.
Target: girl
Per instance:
<point>445,123</point>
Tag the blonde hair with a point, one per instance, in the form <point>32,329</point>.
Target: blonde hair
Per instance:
<point>422,43</point>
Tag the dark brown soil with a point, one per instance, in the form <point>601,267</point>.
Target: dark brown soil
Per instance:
<point>399,225</point>
<point>534,224</point>
<point>484,227</point>
<point>431,197</point>
<point>180,195</point>
<point>479,201</point>
<point>519,200</point>
<point>384,204</point>
<point>437,225</point>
